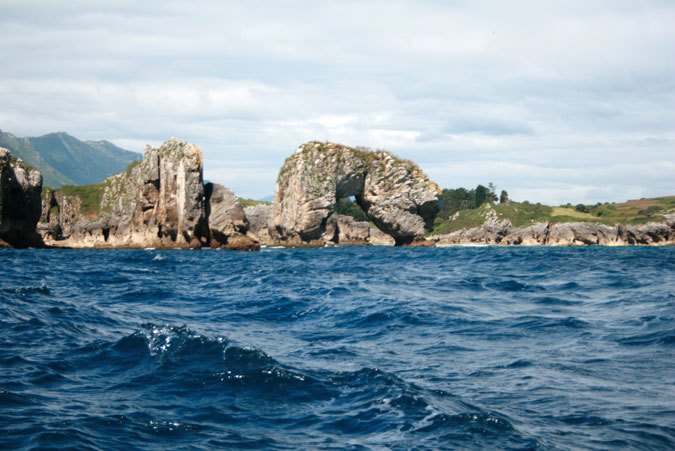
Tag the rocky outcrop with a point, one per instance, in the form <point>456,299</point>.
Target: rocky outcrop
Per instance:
<point>347,230</point>
<point>379,238</point>
<point>227,221</point>
<point>20,202</point>
<point>563,234</point>
<point>259,218</point>
<point>159,202</point>
<point>395,194</point>
<point>351,232</point>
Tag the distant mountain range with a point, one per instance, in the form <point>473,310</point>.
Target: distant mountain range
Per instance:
<point>65,160</point>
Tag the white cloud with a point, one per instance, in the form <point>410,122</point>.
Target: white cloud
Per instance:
<point>556,102</point>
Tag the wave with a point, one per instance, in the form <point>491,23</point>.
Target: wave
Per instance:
<point>661,337</point>
<point>172,367</point>
<point>359,348</point>
<point>27,290</point>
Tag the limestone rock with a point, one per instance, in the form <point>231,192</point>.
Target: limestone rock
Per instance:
<point>533,235</point>
<point>227,221</point>
<point>157,202</point>
<point>20,201</point>
<point>563,234</point>
<point>580,233</point>
<point>379,238</point>
<point>351,232</point>
<point>393,193</point>
<point>651,234</point>
<point>259,218</point>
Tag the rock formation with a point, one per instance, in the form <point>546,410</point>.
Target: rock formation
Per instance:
<point>227,222</point>
<point>159,202</point>
<point>259,218</point>
<point>394,194</point>
<point>20,204</point>
<point>348,231</point>
<point>562,234</point>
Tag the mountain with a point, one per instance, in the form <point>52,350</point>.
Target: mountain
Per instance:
<point>65,160</point>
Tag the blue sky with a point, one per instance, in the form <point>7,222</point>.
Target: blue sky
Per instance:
<point>566,101</point>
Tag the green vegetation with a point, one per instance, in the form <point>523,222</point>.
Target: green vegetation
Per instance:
<point>481,196</point>
<point>459,210</point>
<point>250,202</point>
<point>632,211</point>
<point>46,193</point>
<point>454,200</point>
<point>131,166</point>
<point>348,207</point>
<point>523,215</point>
<point>90,195</point>
<point>463,219</point>
<point>15,161</point>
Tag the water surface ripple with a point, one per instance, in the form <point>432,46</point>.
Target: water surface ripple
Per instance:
<point>348,348</point>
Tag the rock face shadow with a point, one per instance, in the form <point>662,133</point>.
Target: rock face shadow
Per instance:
<point>20,202</point>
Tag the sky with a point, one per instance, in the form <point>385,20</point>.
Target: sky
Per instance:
<point>553,101</point>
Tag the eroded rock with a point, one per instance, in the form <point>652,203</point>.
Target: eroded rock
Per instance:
<point>227,221</point>
<point>159,202</point>
<point>395,194</point>
<point>563,234</point>
<point>259,218</point>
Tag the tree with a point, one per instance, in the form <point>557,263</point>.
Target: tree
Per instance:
<point>492,192</point>
<point>504,197</point>
<point>348,207</point>
<point>481,196</point>
<point>454,200</point>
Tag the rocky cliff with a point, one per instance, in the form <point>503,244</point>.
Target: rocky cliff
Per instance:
<point>394,194</point>
<point>501,232</point>
<point>20,187</point>
<point>159,202</point>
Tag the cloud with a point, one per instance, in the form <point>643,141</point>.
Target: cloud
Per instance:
<point>472,91</point>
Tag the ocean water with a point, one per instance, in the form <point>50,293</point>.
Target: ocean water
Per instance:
<point>344,348</point>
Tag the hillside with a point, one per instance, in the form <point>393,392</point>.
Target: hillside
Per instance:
<point>65,160</point>
<point>523,214</point>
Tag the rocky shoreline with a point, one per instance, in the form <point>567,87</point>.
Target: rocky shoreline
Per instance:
<point>501,232</point>
<point>162,202</point>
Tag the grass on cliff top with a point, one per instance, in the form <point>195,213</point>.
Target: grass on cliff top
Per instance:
<point>46,193</point>
<point>131,166</point>
<point>90,196</point>
<point>15,160</point>
<point>523,214</point>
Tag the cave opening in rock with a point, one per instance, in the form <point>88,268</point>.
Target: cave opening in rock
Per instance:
<point>348,206</point>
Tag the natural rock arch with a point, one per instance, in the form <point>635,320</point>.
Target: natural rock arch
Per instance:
<point>394,193</point>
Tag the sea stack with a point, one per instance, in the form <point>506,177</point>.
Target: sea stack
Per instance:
<point>394,193</point>
<point>159,202</point>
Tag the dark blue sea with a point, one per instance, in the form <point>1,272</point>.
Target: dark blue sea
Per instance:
<point>342,348</point>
